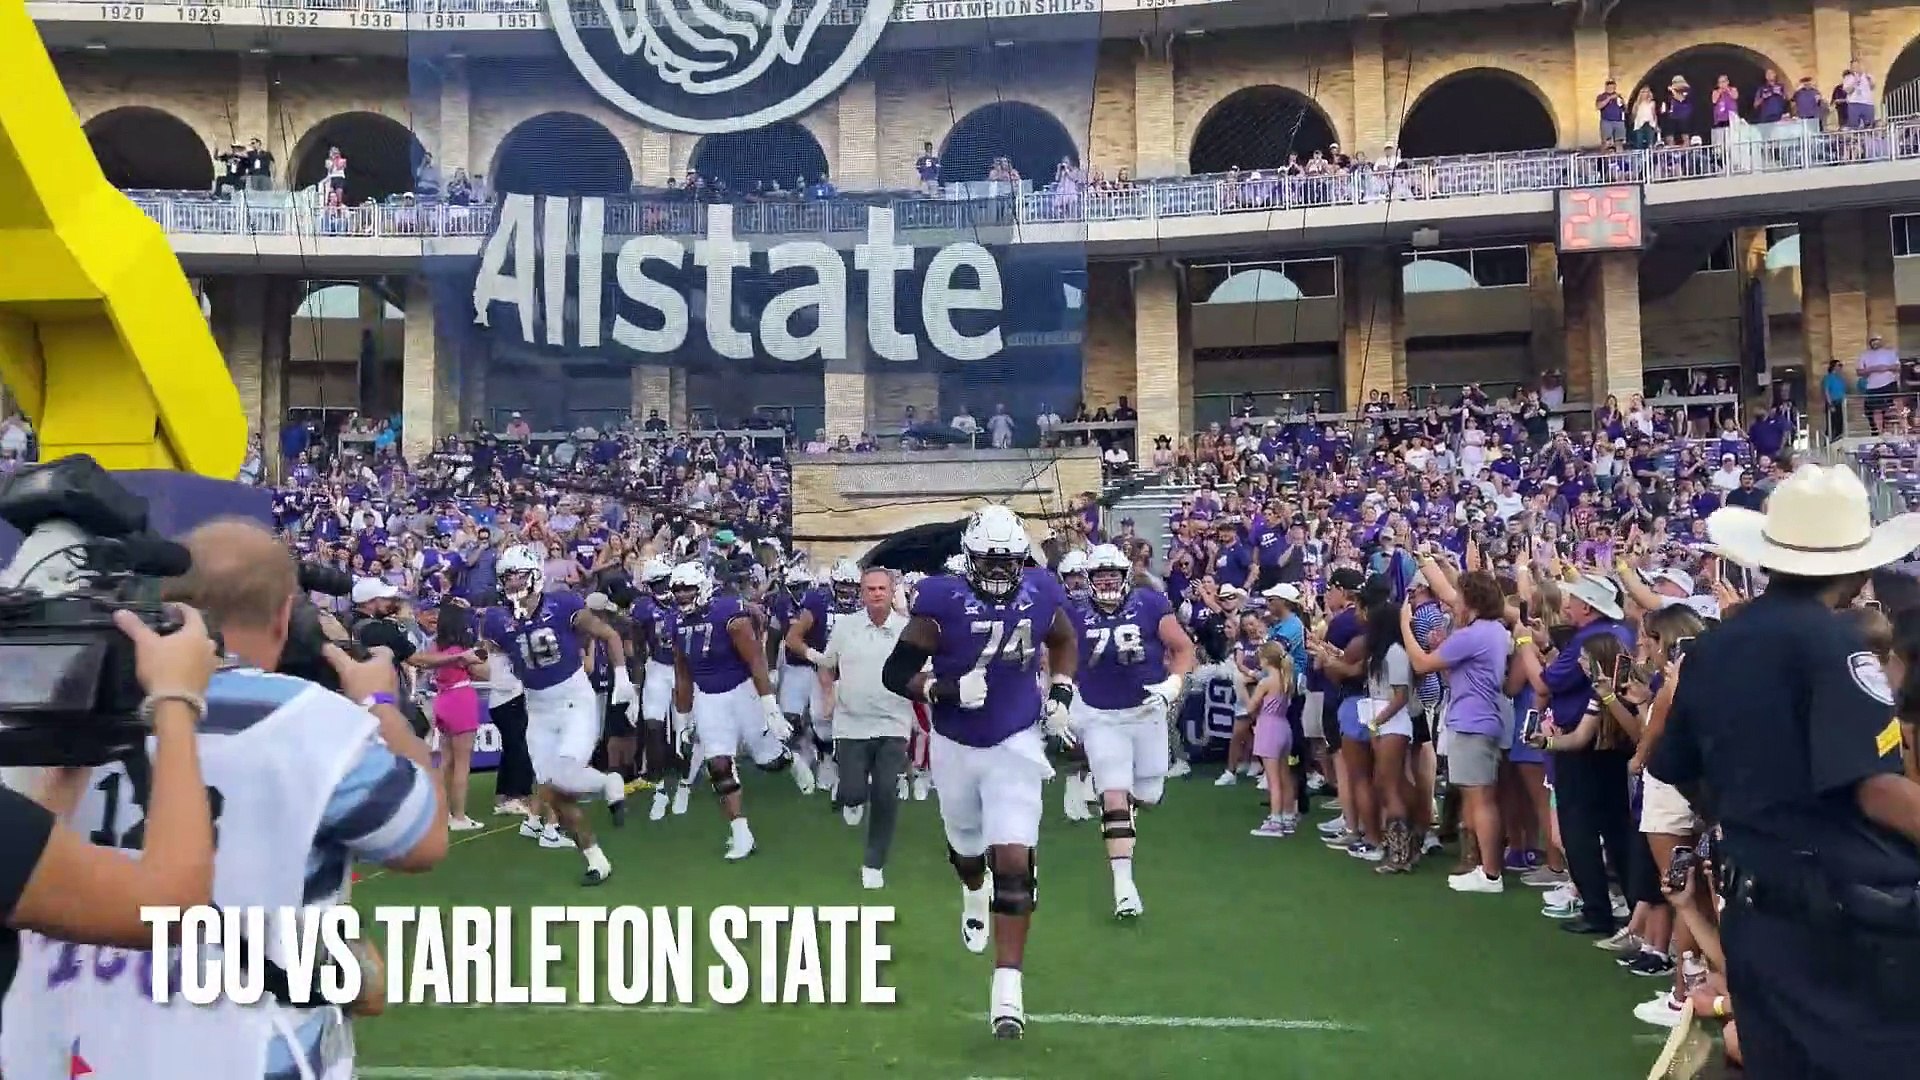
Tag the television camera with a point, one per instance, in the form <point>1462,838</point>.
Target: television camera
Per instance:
<point>68,692</point>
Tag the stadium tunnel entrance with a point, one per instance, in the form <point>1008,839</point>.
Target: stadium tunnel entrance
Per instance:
<point>1479,111</point>
<point>783,155</point>
<point>922,548</point>
<point>382,156</point>
<point>143,148</point>
<point>1259,127</point>
<point>562,154</point>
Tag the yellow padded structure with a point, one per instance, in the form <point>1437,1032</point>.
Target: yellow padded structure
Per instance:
<point>101,338</point>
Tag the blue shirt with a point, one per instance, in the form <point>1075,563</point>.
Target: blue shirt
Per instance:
<point>1292,633</point>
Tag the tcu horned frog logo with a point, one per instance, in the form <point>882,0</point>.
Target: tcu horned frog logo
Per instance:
<point>707,67</point>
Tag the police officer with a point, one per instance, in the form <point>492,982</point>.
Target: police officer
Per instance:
<point>1782,729</point>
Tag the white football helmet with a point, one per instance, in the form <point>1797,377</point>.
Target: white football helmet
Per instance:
<point>655,575</point>
<point>798,579</point>
<point>845,580</point>
<point>1073,574</point>
<point>996,546</point>
<point>521,574</point>
<point>1107,573</point>
<point>692,588</point>
<point>956,564</point>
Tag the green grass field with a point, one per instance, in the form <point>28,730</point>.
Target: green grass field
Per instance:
<point>1402,977</point>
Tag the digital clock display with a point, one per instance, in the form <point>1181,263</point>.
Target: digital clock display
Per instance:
<point>1601,219</point>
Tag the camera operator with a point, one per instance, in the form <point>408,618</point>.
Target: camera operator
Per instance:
<point>55,883</point>
<point>373,623</point>
<point>303,783</point>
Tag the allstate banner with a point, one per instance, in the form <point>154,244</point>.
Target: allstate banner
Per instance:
<point>712,208</point>
<point>1206,717</point>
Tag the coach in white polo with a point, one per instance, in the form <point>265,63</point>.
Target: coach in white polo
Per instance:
<point>870,722</point>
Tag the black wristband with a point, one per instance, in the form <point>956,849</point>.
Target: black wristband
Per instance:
<point>943,692</point>
<point>1062,693</point>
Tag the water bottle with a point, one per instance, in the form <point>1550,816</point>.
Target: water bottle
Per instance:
<point>1692,972</point>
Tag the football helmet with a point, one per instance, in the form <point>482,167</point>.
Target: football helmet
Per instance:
<point>956,564</point>
<point>996,546</point>
<point>1073,575</point>
<point>692,588</point>
<point>845,581</point>
<point>797,580</point>
<point>521,574</point>
<point>1107,573</point>
<point>655,575</point>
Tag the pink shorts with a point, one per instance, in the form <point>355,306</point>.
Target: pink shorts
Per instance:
<point>457,711</point>
<point>1272,737</point>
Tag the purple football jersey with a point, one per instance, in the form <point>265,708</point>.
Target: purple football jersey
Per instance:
<point>1121,654</point>
<point>656,620</point>
<point>716,665</point>
<point>1003,639</point>
<point>544,649</point>
<point>826,610</point>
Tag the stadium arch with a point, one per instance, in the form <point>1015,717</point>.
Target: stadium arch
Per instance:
<point>1898,65</point>
<point>560,153</point>
<point>383,155</point>
<point>1516,114</point>
<point>1240,130</point>
<point>139,147</point>
<point>1032,136</point>
<point>782,152</point>
<point>1701,63</point>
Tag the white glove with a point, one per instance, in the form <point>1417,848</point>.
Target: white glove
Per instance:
<point>623,693</point>
<point>1167,692</point>
<point>775,676</point>
<point>778,725</point>
<point>973,689</point>
<point>819,659</point>
<point>683,733</point>
<point>1054,716</point>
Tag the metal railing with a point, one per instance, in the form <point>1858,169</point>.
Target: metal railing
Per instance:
<point>281,214</point>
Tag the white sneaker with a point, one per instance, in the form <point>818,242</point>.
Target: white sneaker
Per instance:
<point>1431,844</point>
<point>1316,783</point>
<point>1476,881</point>
<point>1226,779</point>
<point>553,838</point>
<point>1332,826</point>
<point>1180,767</point>
<point>680,796</point>
<point>921,788</point>
<point>739,845</point>
<point>531,829</point>
<point>463,824</point>
<point>973,917</point>
<point>1126,903</point>
<point>1260,782</point>
<point>872,879</point>
<point>803,776</point>
<point>1008,1014</point>
<point>853,815</point>
<point>827,776</point>
<point>902,790</point>
<point>660,801</point>
<point>1560,897</point>
<point>511,806</point>
<point>1621,909</point>
<point>1662,1011</point>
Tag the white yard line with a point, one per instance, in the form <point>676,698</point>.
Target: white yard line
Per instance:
<point>468,1072</point>
<point>1257,1022</point>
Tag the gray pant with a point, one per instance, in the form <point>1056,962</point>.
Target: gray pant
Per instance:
<point>870,771</point>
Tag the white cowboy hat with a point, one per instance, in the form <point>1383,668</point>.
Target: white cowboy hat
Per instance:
<point>1817,524</point>
<point>1597,593</point>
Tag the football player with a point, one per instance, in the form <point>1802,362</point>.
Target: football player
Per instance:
<point>1134,660</point>
<point>812,621</point>
<point>541,634</point>
<point>722,694</point>
<point>1078,795</point>
<point>982,632</point>
<point>653,619</point>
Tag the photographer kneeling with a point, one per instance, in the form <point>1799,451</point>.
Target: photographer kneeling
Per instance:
<point>53,882</point>
<point>302,782</point>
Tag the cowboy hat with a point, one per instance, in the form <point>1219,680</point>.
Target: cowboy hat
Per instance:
<point>1817,524</point>
<point>1597,593</point>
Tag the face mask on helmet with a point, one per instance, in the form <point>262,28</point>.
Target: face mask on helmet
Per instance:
<point>687,598</point>
<point>846,593</point>
<point>516,584</point>
<point>995,576</point>
<point>1109,587</point>
<point>1077,586</point>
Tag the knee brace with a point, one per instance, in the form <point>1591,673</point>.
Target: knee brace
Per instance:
<point>822,746</point>
<point>778,764</point>
<point>1015,892</point>
<point>1116,824</point>
<point>967,866</point>
<point>725,780</point>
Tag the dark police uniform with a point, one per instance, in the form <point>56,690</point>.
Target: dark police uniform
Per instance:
<point>1779,715</point>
